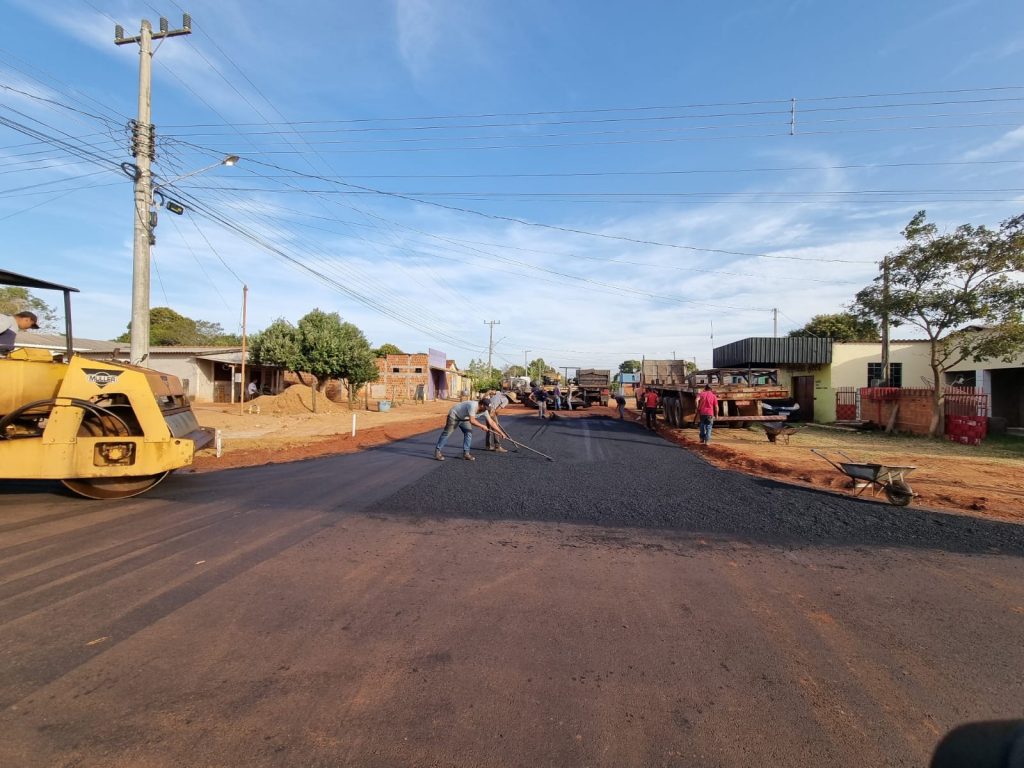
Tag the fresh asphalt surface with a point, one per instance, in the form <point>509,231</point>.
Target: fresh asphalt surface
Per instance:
<point>625,605</point>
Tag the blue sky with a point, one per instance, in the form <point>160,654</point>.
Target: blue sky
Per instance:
<point>609,181</point>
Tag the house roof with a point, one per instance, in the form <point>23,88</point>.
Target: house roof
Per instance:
<point>195,351</point>
<point>56,341</point>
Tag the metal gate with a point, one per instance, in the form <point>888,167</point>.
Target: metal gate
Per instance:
<point>846,404</point>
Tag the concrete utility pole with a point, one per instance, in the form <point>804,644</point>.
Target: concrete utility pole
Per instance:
<point>885,323</point>
<point>526,369</point>
<point>144,149</point>
<point>775,323</point>
<point>245,301</point>
<point>490,342</point>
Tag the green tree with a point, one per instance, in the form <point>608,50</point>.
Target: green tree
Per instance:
<point>941,283</point>
<point>277,344</point>
<point>841,326</point>
<point>168,328</point>
<point>358,362</point>
<point>629,366</point>
<point>538,369</point>
<point>387,349</point>
<point>14,299</point>
<point>321,344</point>
<point>515,370</point>
<point>483,378</point>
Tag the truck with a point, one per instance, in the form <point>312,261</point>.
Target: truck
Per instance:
<point>105,430</point>
<point>594,385</point>
<point>742,392</point>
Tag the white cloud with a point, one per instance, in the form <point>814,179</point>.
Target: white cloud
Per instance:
<point>1008,142</point>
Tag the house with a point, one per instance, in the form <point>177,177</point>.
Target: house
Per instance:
<point>820,371</point>
<point>1002,380</point>
<point>209,374</point>
<point>419,376</point>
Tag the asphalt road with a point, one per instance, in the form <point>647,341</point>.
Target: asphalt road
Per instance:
<point>625,605</point>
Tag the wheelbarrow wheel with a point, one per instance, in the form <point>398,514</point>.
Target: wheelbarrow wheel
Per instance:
<point>898,493</point>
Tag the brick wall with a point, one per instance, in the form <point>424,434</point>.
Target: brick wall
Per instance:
<point>915,408</point>
<point>401,375</point>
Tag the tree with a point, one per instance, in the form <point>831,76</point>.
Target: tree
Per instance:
<point>515,370</point>
<point>168,328</point>
<point>358,362</point>
<point>14,299</point>
<point>387,349</point>
<point>321,343</point>
<point>629,366</point>
<point>483,378</point>
<point>841,326</point>
<point>277,344</point>
<point>942,283</point>
<point>537,369</point>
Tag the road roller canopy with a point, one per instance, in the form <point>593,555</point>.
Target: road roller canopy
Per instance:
<point>21,281</point>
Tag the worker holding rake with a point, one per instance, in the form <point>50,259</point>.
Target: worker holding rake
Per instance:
<point>464,417</point>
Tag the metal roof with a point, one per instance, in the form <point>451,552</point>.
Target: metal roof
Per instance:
<point>768,351</point>
<point>21,281</point>
<point>58,342</point>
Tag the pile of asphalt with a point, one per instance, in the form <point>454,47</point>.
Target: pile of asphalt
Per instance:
<point>611,473</point>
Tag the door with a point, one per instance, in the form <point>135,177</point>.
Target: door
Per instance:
<point>803,393</point>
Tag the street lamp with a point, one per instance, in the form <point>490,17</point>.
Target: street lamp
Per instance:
<point>145,221</point>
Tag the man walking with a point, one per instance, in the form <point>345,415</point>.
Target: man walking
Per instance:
<point>707,407</point>
<point>498,401</point>
<point>463,416</point>
<point>651,408</point>
<point>558,397</point>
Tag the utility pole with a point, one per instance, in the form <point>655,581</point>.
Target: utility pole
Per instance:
<point>490,343</point>
<point>245,301</point>
<point>526,367</point>
<point>885,323</point>
<point>144,150</point>
<point>775,323</point>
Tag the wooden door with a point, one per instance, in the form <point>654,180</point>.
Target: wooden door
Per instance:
<point>803,393</point>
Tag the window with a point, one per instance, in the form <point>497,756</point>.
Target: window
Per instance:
<point>394,370</point>
<point>419,370</point>
<point>875,375</point>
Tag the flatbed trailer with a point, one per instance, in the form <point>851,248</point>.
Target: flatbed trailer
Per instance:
<point>740,392</point>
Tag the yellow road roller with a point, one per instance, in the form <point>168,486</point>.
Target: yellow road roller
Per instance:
<point>106,430</point>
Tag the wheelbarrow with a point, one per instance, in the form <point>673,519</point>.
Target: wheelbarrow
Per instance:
<point>773,430</point>
<point>877,477</point>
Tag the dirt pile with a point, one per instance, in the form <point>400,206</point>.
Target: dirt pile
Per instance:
<point>295,400</point>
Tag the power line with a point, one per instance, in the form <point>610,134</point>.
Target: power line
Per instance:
<point>572,230</point>
<point>700,105</point>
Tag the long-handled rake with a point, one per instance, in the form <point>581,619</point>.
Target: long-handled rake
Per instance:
<point>534,450</point>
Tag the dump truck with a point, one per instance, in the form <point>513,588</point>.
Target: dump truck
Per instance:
<point>742,392</point>
<point>105,430</point>
<point>594,385</point>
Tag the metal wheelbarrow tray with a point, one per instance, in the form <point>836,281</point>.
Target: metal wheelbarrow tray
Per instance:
<point>878,477</point>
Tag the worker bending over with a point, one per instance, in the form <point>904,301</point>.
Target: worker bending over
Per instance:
<point>463,416</point>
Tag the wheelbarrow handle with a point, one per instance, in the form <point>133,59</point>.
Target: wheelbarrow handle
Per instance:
<point>822,454</point>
